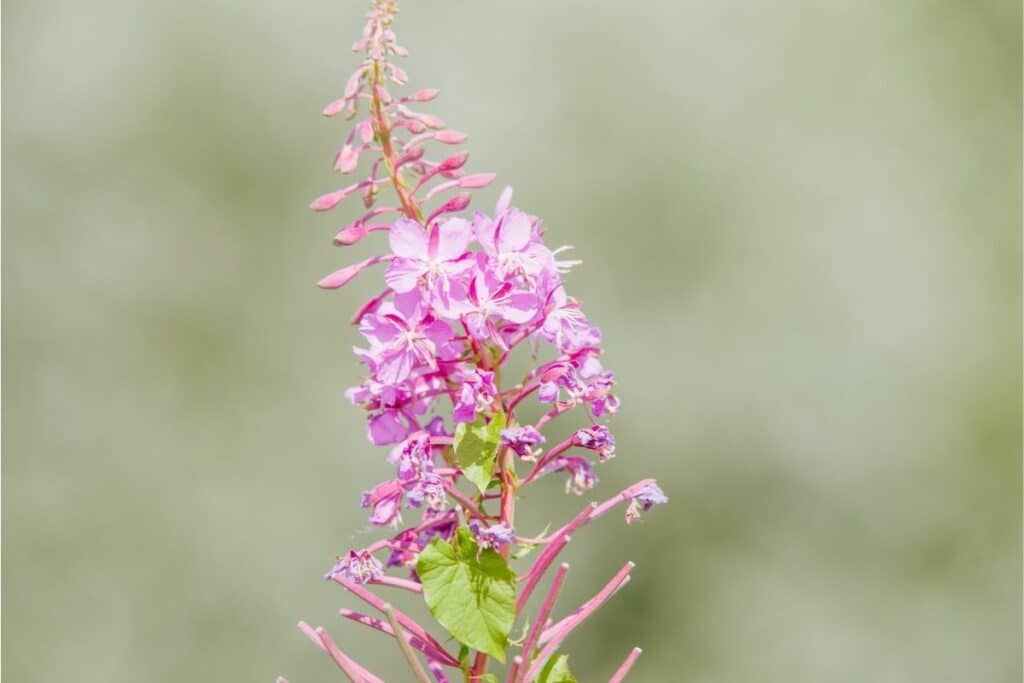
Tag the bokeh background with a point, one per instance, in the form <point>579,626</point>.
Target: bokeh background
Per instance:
<point>801,229</point>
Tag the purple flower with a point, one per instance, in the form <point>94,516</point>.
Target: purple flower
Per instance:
<point>581,473</point>
<point>388,427</point>
<point>489,300</point>
<point>426,260</point>
<point>384,499</point>
<point>566,327</point>
<point>359,567</point>
<point>513,247</point>
<point>492,536</point>
<point>561,376</point>
<point>596,438</point>
<point>477,396</point>
<point>522,440</point>
<point>402,338</point>
<point>643,500</point>
<point>416,474</point>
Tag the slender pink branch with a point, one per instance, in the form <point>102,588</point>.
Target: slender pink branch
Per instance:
<point>418,643</point>
<point>560,629</point>
<point>403,645</point>
<point>351,668</point>
<point>555,451</point>
<point>545,610</point>
<point>378,604</point>
<point>395,582</point>
<point>621,672</point>
<point>514,669</point>
<point>557,633</point>
<point>458,495</point>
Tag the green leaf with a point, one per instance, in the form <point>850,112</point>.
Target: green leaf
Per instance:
<point>471,592</point>
<point>476,444</point>
<point>489,678</point>
<point>556,671</point>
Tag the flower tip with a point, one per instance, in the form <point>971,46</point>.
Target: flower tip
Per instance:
<point>334,107</point>
<point>450,137</point>
<point>477,180</point>
<point>325,202</point>
<point>424,95</point>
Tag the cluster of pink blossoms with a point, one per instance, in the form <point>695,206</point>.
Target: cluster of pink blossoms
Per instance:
<point>462,293</point>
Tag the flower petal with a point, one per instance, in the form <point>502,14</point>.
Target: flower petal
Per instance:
<point>407,239</point>
<point>454,235</point>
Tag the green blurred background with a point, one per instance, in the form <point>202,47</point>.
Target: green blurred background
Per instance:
<point>800,223</point>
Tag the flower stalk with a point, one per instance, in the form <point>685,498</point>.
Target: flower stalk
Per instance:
<point>463,293</point>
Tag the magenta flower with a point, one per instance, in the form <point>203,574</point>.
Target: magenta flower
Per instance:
<point>478,395</point>
<point>490,302</point>
<point>404,339</point>
<point>430,260</point>
<point>522,441</point>
<point>360,567</point>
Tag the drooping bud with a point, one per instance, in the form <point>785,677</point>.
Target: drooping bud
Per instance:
<point>450,137</point>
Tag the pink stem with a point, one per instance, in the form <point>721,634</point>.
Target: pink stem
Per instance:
<point>559,538</point>
<point>396,582</point>
<point>558,541</point>
<point>545,610</point>
<point>378,604</point>
<point>463,500</point>
<point>621,672</point>
<point>561,629</point>
<point>351,668</point>
<point>555,451</point>
<point>423,526</point>
<point>418,643</point>
<point>557,633</point>
<point>514,669</point>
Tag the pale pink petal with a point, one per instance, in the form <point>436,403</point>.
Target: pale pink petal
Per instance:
<point>402,275</point>
<point>520,307</point>
<point>407,239</point>
<point>454,235</point>
<point>514,231</point>
<point>504,201</point>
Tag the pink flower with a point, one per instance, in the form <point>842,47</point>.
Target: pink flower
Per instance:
<point>403,338</point>
<point>428,260</point>
<point>489,301</point>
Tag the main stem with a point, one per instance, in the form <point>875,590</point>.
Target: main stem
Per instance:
<point>382,130</point>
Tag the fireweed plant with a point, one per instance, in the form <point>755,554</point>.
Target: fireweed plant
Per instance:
<point>462,293</point>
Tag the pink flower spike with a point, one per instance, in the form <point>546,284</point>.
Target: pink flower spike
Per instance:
<point>340,278</point>
<point>450,137</point>
<point>621,672</point>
